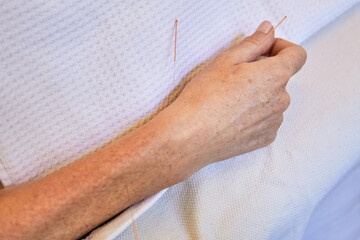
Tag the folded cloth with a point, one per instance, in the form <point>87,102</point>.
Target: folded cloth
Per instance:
<point>274,192</point>
<point>76,74</point>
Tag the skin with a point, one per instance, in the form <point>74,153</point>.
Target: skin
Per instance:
<point>233,106</point>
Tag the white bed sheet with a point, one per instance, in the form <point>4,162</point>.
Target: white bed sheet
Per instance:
<point>306,185</point>
<point>70,82</point>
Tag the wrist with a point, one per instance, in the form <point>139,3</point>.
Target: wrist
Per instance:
<point>171,140</point>
<point>185,134</point>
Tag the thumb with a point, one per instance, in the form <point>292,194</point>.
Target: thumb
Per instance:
<point>252,46</point>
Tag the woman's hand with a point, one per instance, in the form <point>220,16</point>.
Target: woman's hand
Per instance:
<point>236,104</point>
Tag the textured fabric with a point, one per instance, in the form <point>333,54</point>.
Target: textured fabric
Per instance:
<point>271,193</point>
<point>76,74</point>
<point>337,216</point>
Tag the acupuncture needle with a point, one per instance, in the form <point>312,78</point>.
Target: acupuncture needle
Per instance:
<point>272,31</point>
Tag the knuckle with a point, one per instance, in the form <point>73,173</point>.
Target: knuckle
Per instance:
<point>252,39</point>
<point>273,136</point>
<point>281,101</point>
<point>281,119</point>
<point>296,59</point>
<point>278,119</point>
<point>270,138</point>
<point>302,53</point>
<point>279,122</point>
<point>285,102</point>
<point>276,122</point>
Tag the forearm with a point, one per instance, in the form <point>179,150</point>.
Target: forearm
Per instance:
<point>232,107</point>
<point>80,196</point>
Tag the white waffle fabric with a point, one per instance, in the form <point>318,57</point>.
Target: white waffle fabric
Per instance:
<point>73,75</point>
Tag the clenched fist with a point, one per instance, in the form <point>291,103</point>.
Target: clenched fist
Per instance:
<point>236,104</point>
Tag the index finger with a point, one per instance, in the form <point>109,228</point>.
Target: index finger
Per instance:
<point>290,55</point>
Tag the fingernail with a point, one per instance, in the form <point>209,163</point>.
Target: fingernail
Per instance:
<point>264,27</point>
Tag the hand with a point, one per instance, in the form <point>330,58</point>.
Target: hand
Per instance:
<point>236,104</point>
<point>232,107</point>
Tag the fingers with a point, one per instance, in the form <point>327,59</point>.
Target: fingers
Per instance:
<point>249,49</point>
<point>289,55</point>
<point>273,122</point>
<point>286,59</point>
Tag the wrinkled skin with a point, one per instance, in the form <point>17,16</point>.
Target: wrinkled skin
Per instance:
<point>236,104</point>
